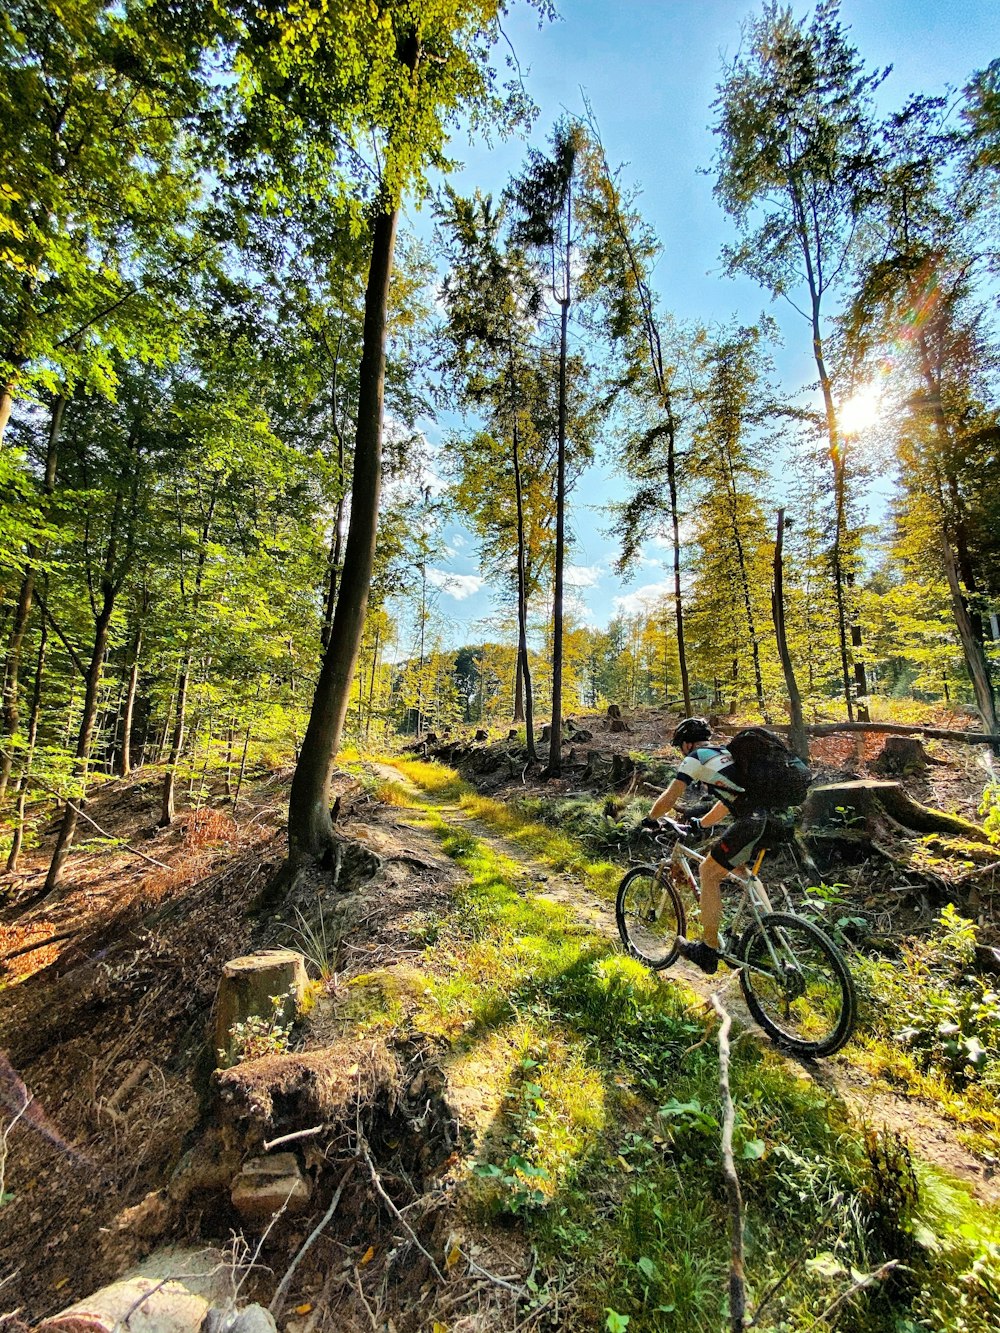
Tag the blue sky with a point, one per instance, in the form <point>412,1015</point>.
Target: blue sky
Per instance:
<point>649,69</point>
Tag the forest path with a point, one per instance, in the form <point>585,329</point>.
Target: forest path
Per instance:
<point>929,1133</point>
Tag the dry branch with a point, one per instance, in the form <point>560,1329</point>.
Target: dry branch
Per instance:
<point>737,1285</point>
<point>279,1296</point>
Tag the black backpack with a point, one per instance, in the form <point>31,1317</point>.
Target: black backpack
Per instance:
<point>772,776</point>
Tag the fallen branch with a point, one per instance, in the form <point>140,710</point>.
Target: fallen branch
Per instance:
<point>797,1262</point>
<point>380,1189</point>
<point>279,1296</point>
<point>737,1285</point>
<point>127,1085</point>
<point>40,944</point>
<point>866,1281</point>
<point>102,831</point>
<point>290,1138</point>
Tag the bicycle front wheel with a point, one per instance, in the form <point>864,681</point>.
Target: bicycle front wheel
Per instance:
<point>797,985</point>
<point>650,916</point>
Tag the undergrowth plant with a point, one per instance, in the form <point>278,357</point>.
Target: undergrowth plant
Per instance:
<point>261,1034</point>
<point>933,1004</point>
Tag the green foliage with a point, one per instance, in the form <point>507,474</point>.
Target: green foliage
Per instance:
<point>262,1034</point>
<point>990,810</point>
<point>935,1006</point>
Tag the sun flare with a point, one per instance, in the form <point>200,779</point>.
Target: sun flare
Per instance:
<point>861,410</point>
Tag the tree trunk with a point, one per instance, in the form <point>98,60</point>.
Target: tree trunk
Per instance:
<point>310,828</point>
<point>554,766</point>
<point>871,797</point>
<point>797,731</point>
<point>526,712</point>
<point>167,810</point>
<point>675,533</point>
<point>337,542</point>
<point>836,443</point>
<point>22,790</point>
<point>972,645</point>
<point>125,755</point>
<point>6,407</point>
<point>22,611</point>
<point>67,830</point>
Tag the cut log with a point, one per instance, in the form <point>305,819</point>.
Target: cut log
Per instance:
<point>901,754</point>
<point>267,1184</point>
<point>863,801</point>
<point>153,1301</point>
<point>896,729</point>
<point>246,988</point>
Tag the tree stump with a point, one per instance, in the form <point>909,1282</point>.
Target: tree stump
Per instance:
<point>861,803</point>
<point>622,768</point>
<point>618,724</point>
<point>614,712</point>
<point>246,988</point>
<point>512,734</point>
<point>546,733</point>
<point>482,735</point>
<point>901,754</point>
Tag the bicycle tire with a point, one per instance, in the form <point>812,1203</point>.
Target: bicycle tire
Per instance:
<point>812,1007</point>
<point>650,916</point>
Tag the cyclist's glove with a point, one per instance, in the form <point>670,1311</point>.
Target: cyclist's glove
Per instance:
<point>694,830</point>
<point>650,825</point>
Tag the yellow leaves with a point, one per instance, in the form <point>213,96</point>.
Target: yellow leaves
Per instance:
<point>304,1309</point>
<point>452,1257</point>
<point>367,1257</point>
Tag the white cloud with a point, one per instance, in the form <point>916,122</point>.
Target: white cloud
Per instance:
<point>645,561</point>
<point>582,576</point>
<point>458,586</point>
<point>644,599</point>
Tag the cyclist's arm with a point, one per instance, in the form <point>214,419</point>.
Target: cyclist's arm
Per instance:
<point>718,811</point>
<point>667,799</point>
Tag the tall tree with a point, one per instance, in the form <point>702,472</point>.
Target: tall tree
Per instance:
<point>794,170</point>
<point>494,301</point>
<point>398,77</point>
<point>620,261</point>
<point>923,296</point>
<point>544,198</point>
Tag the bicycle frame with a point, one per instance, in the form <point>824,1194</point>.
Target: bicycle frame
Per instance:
<point>753,902</point>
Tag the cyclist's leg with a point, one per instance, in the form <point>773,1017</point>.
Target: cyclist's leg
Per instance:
<point>711,875</point>
<point>730,854</point>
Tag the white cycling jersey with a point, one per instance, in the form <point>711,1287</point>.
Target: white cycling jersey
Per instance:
<point>712,765</point>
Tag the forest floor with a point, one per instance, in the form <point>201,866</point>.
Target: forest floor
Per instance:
<point>106,1028</point>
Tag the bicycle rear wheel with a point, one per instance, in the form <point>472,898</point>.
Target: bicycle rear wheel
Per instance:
<point>797,985</point>
<point>650,916</point>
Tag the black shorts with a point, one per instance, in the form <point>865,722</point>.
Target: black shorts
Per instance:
<point>739,842</point>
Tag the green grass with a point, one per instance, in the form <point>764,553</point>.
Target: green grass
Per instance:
<point>605,1143</point>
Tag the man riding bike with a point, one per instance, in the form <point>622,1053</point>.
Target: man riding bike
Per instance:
<point>713,766</point>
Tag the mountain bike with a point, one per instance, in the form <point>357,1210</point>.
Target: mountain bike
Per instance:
<point>794,978</point>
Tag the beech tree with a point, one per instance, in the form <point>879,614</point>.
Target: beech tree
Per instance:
<point>925,269</point>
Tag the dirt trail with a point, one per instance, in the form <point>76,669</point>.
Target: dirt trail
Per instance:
<point>932,1136</point>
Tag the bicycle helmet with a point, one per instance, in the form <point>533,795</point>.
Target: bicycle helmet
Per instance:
<point>693,730</point>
